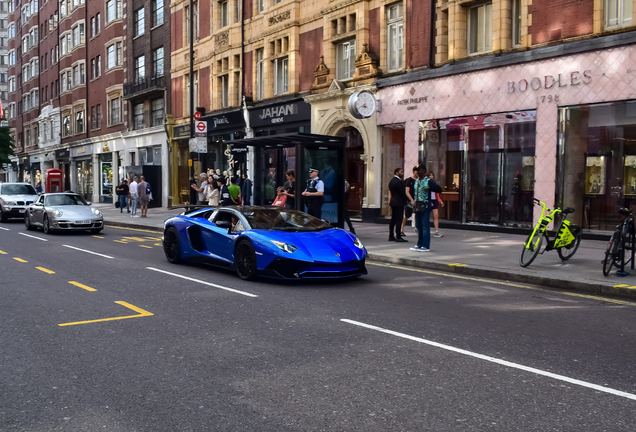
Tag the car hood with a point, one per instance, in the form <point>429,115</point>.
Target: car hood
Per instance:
<point>19,197</point>
<point>74,211</point>
<point>328,246</point>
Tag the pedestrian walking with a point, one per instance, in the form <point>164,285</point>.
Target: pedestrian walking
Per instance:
<point>144,191</point>
<point>314,194</point>
<point>134,196</point>
<point>290,189</point>
<point>397,202</point>
<point>409,188</point>
<point>436,203</point>
<point>122,194</point>
<point>422,209</point>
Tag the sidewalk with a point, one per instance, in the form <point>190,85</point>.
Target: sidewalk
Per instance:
<point>471,253</point>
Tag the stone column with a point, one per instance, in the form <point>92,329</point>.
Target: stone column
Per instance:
<point>97,178</point>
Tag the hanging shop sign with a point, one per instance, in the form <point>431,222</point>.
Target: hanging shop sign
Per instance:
<point>289,112</point>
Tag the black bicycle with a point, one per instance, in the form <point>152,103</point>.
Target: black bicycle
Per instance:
<point>622,240</point>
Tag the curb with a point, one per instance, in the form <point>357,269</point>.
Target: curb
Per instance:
<point>131,225</point>
<point>581,285</point>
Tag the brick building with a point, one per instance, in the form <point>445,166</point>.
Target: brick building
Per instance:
<point>296,63</point>
<point>526,99</point>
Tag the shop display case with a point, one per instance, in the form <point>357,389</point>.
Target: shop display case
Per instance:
<point>595,175</point>
<point>629,177</point>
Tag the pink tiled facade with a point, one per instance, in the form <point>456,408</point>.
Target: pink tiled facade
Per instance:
<point>544,86</point>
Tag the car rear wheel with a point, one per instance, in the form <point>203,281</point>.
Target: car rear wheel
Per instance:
<point>27,222</point>
<point>171,246</point>
<point>46,227</point>
<point>245,260</point>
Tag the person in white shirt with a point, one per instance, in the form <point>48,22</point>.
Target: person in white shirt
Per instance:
<point>134,197</point>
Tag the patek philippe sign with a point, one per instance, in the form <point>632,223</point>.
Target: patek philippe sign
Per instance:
<point>282,113</point>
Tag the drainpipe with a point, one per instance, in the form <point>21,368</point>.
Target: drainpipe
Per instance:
<point>191,107</point>
<point>431,43</point>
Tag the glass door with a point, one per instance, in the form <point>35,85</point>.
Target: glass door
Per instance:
<point>484,172</point>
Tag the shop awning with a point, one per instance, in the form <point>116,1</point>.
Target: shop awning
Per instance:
<point>288,140</point>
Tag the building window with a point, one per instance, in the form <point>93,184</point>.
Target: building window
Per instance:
<point>225,91</point>
<point>98,60</point>
<point>79,122</point>
<point>114,55</point>
<point>157,112</point>
<point>140,68</point>
<point>76,76</point>
<point>618,13</point>
<point>480,29</point>
<point>138,116</point>
<point>516,22</point>
<point>394,37</point>
<point>113,10</point>
<point>223,9</point>
<point>93,118</point>
<point>66,125</point>
<point>281,76</point>
<point>157,12</point>
<point>260,5</point>
<point>115,111</point>
<point>98,114</point>
<point>346,58</point>
<point>260,75</point>
<point>140,21</point>
<point>157,62</point>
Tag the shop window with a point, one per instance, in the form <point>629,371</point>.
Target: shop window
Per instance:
<point>140,21</point>
<point>345,61</point>
<point>138,116</point>
<point>157,12</point>
<point>281,76</point>
<point>394,36</point>
<point>597,162</point>
<point>618,13</point>
<point>480,29</point>
<point>157,112</point>
<point>157,62</point>
<point>260,75</point>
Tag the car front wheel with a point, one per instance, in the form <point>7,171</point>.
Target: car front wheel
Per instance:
<point>46,227</point>
<point>171,246</point>
<point>245,260</point>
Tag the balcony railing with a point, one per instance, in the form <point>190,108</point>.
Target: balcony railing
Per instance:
<point>144,85</point>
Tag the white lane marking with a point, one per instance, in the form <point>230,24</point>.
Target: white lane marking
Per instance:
<point>28,235</point>
<point>87,251</point>
<point>5,229</point>
<point>202,282</point>
<point>498,361</point>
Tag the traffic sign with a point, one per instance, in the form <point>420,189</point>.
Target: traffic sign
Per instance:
<point>201,127</point>
<point>199,145</point>
<point>197,115</point>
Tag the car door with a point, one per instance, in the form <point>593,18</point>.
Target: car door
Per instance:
<point>217,240</point>
<point>37,210</point>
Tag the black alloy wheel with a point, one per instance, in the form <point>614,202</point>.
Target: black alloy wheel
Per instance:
<point>171,246</point>
<point>245,260</point>
<point>45,225</point>
<point>27,222</point>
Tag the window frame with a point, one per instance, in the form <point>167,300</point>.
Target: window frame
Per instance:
<point>284,65</point>
<point>469,34</point>
<point>351,61</point>
<point>621,20</point>
<point>394,54</point>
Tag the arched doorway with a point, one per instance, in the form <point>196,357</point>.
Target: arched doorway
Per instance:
<point>355,169</point>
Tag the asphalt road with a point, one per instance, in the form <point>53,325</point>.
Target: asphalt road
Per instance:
<point>399,350</point>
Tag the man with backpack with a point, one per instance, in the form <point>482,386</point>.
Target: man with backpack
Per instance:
<point>143,190</point>
<point>422,209</point>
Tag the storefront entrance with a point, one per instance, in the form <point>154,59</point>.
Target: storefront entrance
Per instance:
<point>355,170</point>
<point>485,165</point>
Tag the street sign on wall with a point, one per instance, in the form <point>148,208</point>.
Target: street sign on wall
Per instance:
<point>197,115</point>
<point>201,127</point>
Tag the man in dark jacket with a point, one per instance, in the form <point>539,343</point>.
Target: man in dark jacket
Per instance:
<point>246,189</point>
<point>397,203</point>
<point>122,194</point>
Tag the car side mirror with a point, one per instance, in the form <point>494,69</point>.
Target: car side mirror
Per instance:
<point>89,203</point>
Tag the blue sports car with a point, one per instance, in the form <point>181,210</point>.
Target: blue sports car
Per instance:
<point>272,242</point>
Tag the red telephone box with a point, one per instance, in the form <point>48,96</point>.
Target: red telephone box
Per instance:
<point>53,181</point>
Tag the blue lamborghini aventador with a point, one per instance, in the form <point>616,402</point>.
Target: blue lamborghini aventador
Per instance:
<point>264,241</point>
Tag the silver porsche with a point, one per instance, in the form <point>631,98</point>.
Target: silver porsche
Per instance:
<point>63,212</point>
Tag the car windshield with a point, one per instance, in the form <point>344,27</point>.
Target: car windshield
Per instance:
<point>17,189</point>
<point>283,220</point>
<point>64,200</point>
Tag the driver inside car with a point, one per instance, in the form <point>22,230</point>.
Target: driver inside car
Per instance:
<point>237,226</point>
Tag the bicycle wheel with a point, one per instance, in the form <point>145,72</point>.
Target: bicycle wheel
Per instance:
<point>531,248</point>
<point>567,252</point>
<point>611,254</point>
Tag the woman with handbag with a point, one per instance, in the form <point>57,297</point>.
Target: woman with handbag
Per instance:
<point>422,209</point>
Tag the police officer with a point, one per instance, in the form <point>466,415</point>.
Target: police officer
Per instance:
<point>314,194</point>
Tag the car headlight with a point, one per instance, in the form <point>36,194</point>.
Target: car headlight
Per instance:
<point>57,213</point>
<point>357,243</point>
<point>11,203</point>
<point>285,247</point>
<point>96,212</point>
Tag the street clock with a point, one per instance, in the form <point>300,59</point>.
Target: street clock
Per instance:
<point>362,104</point>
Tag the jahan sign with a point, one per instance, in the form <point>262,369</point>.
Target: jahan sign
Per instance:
<point>548,82</point>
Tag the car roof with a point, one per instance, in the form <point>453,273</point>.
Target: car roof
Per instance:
<point>21,183</point>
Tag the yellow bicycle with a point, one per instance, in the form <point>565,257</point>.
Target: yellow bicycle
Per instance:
<point>566,242</point>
